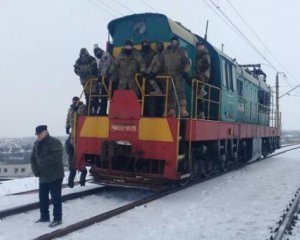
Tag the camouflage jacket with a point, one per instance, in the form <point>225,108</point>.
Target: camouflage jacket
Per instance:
<point>86,69</point>
<point>81,110</point>
<point>147,56</point>
<point>104,64</point>
<point>157,64</point>
<point>176,61</point>
<point>202,63</point>
<point>46,160</point>
<point>127,66</point>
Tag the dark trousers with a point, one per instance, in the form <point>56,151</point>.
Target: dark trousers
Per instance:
<point>55,191</point>
<point>72,169</point>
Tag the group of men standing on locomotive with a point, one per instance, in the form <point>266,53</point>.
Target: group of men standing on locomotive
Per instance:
<point>122,70</point>
<point>150,63</point>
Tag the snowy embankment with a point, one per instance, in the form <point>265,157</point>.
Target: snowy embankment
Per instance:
<point>243,204</point>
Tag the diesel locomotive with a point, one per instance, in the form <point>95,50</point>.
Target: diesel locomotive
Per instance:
<point>126,147</point>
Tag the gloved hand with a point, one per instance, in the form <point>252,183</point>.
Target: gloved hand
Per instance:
<point>152,75</point>
<point>145,75</point>
<point>68,131</point>
<point>185,75</point>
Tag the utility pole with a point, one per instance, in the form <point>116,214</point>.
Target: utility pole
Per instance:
<point>205,36</point>
<point>277,115</point>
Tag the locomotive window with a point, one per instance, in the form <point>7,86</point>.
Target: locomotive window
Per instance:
<point>240,87</point>
<point>139,28</point>
<point>227,75</point>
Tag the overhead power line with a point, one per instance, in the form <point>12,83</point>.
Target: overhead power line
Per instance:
<point>102,9</point>
<point>259,39</point>
<point>244,37</point>
<point>122,5</point>
<point>110,7</point>
<point>147,4</point>
<point>241,34</point>
<point>223,19</point>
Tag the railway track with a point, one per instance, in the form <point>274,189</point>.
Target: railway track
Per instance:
<point>36,190</point>
<point>285,224</point>
<point>32,206</point>
<point>106,215</point>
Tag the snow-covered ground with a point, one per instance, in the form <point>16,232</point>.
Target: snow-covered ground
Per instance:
<point>295,232</point>
<point>243,204</point>
<point>23,226</point>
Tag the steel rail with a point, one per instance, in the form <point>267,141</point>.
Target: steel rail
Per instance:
<point>31,206</point>
<point>106,215</point>
<point>36,190</point>
<point>288,218</point>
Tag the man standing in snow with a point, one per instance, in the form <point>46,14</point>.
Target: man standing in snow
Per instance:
<point>47,165</point>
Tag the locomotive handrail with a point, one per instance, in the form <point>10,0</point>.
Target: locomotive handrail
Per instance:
<point>199,87</point>
<point>142,89</point>
<point>75,120</point>
<point>108,90</point>
<point>269,116</point>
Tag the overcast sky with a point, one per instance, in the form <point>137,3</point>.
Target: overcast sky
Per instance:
<point>40,41</point>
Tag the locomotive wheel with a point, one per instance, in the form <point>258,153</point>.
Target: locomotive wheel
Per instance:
<point>224,162</point>
<point>197,168</point>
<point>184,181</point>
<point>208,167</point>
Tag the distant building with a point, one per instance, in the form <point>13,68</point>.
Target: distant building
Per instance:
<point>15,170</point>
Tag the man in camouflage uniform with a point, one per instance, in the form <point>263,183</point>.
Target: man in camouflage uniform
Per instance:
<point>177,65</point>
<point>76,109</point>
<point>147,54</point>
<point>126,65</point>
<point>156,68</point>
<point>86,68</point>
<point>104,61</point>
<point>202,73</point>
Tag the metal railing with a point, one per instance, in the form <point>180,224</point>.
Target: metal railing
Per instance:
<point>168,86</point>
<point>202,94</point>
<point>256,113</point>
<point>100,88</point>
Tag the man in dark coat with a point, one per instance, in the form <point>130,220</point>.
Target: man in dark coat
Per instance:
<point>47,165</point>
